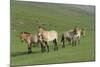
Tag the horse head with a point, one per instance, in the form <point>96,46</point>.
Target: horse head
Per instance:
<point>75,30</point>
<point>24,35</point>
<point>83,32</point>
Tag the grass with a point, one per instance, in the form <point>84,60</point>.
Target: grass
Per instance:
<point>27,16</point>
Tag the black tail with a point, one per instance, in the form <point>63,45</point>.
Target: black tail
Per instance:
<point>62,39</point>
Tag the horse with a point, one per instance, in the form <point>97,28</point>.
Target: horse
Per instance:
<point>72,36</point>
<point>77,36</point>
<point>46,36</point>
<point>29,39</point>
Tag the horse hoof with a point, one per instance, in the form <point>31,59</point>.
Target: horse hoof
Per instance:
<point>42,51</point>
<point>30,52</point>
<point>56,49</point>
<point>63,46</point>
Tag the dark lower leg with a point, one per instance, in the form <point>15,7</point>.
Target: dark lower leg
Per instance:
<point>42,49</point>
<point>73,43</point>
<point>47,46</point>
<point>56,47</point>
<point>69,41</point>
<point>63,44</point>
<point>29,50</point>
<point>78,41</point>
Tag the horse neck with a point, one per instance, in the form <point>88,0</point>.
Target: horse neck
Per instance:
<point>75,31</point>
<point>42,31</point>
<point>79,33</point>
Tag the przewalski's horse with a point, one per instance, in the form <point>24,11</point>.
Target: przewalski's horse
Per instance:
<point>77,36</point>
<point>72,36</point>
<point>29,39</point>
<point>47,36</point>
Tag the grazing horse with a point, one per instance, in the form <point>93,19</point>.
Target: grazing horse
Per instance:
<point>72,36</point>
<point>46,36</point>
<point>29,39</point>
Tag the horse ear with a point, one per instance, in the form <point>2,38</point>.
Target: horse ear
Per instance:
<point>76,27</point>
<point>21,32</point>
<point>39,26</point>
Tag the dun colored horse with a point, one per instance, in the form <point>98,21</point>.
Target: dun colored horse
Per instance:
<point>29,39</point>
<point>47,36</point>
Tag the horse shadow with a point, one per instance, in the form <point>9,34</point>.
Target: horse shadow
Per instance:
<point>23,53</point>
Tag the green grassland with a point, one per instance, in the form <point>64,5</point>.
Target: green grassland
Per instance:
<point>27,16</point>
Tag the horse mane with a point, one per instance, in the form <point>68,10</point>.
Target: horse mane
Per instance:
<point>41,27</point>
<point>25,32</point>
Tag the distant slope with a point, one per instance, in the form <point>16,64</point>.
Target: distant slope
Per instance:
<point>50,13</point>
<point>88,8</point>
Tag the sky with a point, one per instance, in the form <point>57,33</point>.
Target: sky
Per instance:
<point>83,2</point>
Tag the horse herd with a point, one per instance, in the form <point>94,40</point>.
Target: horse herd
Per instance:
<point>43,37</point>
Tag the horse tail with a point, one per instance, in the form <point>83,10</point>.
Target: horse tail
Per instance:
<point>62,39</point>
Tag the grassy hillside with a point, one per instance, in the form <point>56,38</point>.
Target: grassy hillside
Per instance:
<point>27,16</point>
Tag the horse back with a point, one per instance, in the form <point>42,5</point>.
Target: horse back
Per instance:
<point>50,35</point>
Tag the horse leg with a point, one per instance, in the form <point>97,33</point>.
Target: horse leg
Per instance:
<point>56,47</point>
<point>63,46</point>
<point>47,46</point>
<point>69,40</point>
<point>73,43</point>
<point>63,41</point>
<point>42,47</point>
<point>78,41</point>
<point>30,48</point>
